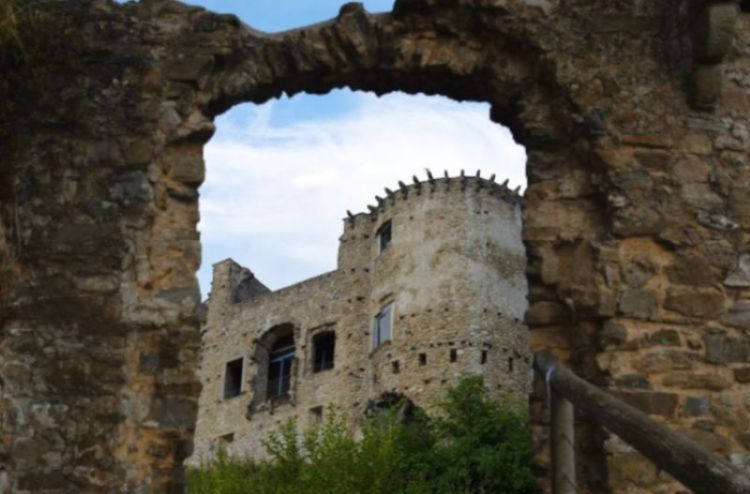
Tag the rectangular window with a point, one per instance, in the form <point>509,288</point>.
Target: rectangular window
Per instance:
<point>384,235</point>
<point>280,373</point>
<point>324,349</point>
<point>233,378</point>
<point>383,326</point>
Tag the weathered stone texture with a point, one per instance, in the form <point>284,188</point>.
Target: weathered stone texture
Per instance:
<point>637,214</point>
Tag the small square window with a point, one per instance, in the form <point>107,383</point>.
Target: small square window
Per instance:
<point>383,326</point>
<point>422,359</point>
<point>384,235</point>
<point>453,355</point>
<point>233,378</point>
<point>316,415</point>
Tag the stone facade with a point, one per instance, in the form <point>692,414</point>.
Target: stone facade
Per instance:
<point>452,271</point>
<point>634,115</point>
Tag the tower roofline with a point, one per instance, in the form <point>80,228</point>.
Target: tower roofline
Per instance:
<point>431,183</point>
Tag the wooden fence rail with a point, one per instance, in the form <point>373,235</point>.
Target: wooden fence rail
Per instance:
<point>685,460</point>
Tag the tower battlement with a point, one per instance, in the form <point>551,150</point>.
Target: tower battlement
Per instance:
<point>435,184</point>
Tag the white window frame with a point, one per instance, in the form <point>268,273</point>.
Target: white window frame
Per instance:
<point>376,340</point>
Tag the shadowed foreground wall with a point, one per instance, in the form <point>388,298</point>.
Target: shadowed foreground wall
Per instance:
<point>636,222</point>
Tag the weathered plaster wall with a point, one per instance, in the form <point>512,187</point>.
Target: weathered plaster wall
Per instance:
<point>634,116</point>
<point>454,272</point>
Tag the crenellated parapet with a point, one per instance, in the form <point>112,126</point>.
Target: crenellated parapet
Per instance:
<point>431,185</point>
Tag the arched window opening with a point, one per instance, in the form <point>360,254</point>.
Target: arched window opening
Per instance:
<point>280,362</point>
<point>275,366</point>
<point>324,350</point>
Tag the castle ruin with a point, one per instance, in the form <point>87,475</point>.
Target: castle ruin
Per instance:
<point>429,288</point>
<point>636,219</point>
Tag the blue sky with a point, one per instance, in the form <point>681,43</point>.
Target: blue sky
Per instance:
<point>280,176</point>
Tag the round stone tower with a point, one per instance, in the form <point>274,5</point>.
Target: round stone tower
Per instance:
<point>445,266</point>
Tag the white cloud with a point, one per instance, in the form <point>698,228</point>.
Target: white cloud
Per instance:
<point>275,195</point>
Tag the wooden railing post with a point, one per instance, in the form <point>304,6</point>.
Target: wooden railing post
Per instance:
<point>563,445</point>
<point>684,459</point>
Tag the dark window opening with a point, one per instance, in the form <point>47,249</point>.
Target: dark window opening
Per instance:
<point>233,378</point>
<point>484,357</point>
<point>383,326</point>
<point>395,367</point>
<point>422,359</point>
<point>510,364</point>
<point>316,415</point>
<point>226,439</point>
<point>324,349</point>
<point>384,235</point>
<point>280,367</point>
<point>454,355</point>
<point>745,5</point>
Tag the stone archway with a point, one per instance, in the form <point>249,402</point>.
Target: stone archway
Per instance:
<point>636,219</point>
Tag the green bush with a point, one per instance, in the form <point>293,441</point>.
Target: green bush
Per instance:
<point>473,445</point>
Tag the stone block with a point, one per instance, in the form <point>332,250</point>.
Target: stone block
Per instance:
<point>129,187</point>
<point>633,381</point>
<point>637,303</point>
<point>139,153</point>
<point>637,272</point>
<point>665,337</point>
<point>665,361</point>
<point>721,349</point>
<point>739,277</point>
<point>613,335</point>
<point>186,165</point>
<point>742,375</point>
<point>711,382</point>
<point>652,403</point>
<point>696,405</point>
<point>691,270</point>
<point>739,315</point>
<point>654,160</point>
<point>188,67</point>
<point>698,143</point>
<point>104,153</point>
<point>693,302</point>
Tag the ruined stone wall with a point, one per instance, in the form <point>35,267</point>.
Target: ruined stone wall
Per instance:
<point>454,274</point>
<point>634,117</point>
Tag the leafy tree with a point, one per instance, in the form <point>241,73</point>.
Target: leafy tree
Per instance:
<point>473,445</point>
